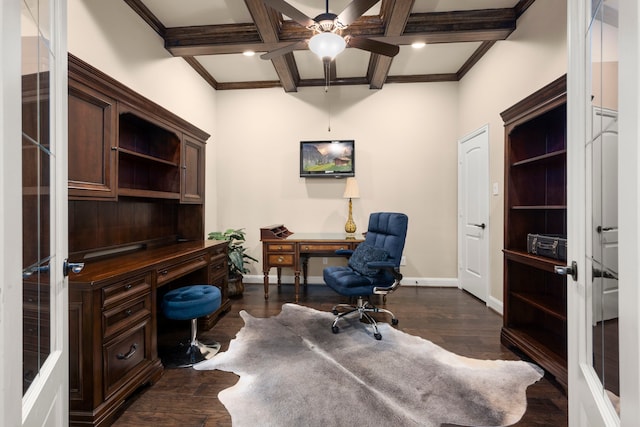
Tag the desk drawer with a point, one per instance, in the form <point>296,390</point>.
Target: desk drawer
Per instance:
<point>126,290</point>
<point>126,356</point>
<point>123,316</point>
<point>171,272</point>
<point>281,260</point>
<point>280,247</point>
<point>323,247</point>
<point>218,267</point>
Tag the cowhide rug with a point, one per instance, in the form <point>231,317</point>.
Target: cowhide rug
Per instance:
<point>295,372</point>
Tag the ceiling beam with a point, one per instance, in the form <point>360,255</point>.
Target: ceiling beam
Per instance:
<point>441,27</point>
<point>395,20</point>
<point>267,23</point>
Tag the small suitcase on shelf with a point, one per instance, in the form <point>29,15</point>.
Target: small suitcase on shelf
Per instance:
<point>548,245</point>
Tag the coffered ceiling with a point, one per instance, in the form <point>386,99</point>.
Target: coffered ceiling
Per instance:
<point>213,35</point>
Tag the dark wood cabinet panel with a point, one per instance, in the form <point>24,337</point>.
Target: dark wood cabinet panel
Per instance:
<point>92,143</point>
<point>192,182</point>
<point>535,298</point>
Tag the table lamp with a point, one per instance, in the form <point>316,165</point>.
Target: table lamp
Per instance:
<point>351,192</point>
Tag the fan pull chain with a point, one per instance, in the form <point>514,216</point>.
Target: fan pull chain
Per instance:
<point>327,81</point>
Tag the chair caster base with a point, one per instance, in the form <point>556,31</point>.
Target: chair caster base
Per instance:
<point>335,329</point>
<point>394,322</point>
<point>377,336</point>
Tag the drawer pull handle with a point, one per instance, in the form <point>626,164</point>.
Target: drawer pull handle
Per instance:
<point>164,272</point>
<point>128,286</point>
<point>128,312</point>
<point>280,259</point>
<point>279,248</point>
<point>132,351</point>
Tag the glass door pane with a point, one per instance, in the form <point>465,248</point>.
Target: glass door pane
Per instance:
<point>602,167</point>
<point>36,161</point>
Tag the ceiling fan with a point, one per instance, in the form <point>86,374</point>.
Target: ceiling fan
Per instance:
<point>327,42</point>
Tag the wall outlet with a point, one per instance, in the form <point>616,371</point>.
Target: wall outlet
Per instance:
<point>403,260</point>
<point>325,260</point>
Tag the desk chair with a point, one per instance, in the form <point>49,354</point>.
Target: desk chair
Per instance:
<point>373,269</point>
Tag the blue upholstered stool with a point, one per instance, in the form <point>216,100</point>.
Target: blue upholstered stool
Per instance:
<point>189,303</point>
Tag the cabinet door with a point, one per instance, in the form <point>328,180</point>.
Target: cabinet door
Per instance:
<point>92,144</point>
<point>192,179</point>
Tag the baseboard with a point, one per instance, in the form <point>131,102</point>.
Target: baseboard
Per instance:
<point>495,304</point>
<point>317,280</point>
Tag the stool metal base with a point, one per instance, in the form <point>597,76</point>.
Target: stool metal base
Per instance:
<point>188,354</point>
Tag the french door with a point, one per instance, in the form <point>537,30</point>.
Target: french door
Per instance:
<point>603,214</point>
<point>34,355</point>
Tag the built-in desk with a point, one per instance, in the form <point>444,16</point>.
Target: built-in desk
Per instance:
<point>293,250</point>
<point>113,326</point>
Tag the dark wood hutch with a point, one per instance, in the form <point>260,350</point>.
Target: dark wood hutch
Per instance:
<point>535,298</point>
<point>136,219</point>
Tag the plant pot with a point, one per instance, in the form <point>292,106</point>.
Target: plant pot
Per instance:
<point>236,287</point>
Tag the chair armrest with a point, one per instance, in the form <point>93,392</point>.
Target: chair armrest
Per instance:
<point>381,265</point>
<point>386,265</point>
<point>344,252</point>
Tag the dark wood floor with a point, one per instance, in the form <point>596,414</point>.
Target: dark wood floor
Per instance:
<point>448,317</point>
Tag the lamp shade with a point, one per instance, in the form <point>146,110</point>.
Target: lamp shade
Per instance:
<point>327,45</point>
<point>351,190</point>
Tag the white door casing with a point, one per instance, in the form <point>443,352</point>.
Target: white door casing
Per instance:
<point>473,213</point>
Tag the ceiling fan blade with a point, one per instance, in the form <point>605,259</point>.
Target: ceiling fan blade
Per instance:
<point>284,50</point>
<point>373,46</point>
<point>290,11</point>
<point>354,10</point>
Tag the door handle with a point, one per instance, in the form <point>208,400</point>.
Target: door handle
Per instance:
<point>566,270</point>
<point>74,267</point>
<point>480,225</point>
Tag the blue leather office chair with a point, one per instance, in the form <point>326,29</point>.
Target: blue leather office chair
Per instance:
<point>373,269</point>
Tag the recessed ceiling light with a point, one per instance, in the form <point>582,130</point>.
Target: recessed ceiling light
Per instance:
<point>418,45</point>
<point>248,53</point>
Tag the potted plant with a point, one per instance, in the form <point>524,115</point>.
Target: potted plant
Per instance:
<point>237,258</point>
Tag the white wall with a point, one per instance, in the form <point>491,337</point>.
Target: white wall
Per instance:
<point>111,37</point>
<point>533,56</point>
<point>406,153</point>
<point>406,134</point>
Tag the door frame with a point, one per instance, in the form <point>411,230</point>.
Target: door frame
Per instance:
<point>629,217</point>
<point>10,196</point>
<point>486,214</point>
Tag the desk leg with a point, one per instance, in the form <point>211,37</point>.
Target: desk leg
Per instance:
<point>297,284</point>
<point>266,284</point>
<point>305,267</point>
<point>279,270</point>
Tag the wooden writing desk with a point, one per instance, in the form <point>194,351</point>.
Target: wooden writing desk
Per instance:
<point>282,248</point>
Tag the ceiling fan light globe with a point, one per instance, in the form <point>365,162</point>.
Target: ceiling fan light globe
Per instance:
<point>327,45</point>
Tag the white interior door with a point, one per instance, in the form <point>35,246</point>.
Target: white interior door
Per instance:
<point>43,210</point>
<point>473,213</point>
